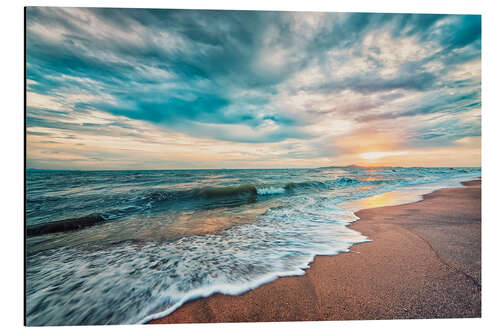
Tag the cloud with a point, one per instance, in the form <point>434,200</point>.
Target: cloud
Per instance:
<point>251,77</point>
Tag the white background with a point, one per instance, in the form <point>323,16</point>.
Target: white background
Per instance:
<point>12,145</point>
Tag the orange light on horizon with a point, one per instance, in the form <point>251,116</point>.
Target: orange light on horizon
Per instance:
<point>380,154</point>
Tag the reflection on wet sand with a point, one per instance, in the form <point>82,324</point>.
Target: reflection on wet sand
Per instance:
<point>385,199</point>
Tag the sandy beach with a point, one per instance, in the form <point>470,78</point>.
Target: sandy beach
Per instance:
<point>424,261</point>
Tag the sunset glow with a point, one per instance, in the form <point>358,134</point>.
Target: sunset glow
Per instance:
<point>173,89</point>
<point>376,155</point>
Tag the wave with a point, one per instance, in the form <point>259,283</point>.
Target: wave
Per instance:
<point>271,190</point>
<point>149,199</point>
<point>248,190</point>
<point>223,191</point>
<point>64,225</point>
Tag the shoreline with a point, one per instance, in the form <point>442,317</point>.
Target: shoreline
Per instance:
<point>409,270</point>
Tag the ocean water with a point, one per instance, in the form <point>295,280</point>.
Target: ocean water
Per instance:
<point>124,247</point>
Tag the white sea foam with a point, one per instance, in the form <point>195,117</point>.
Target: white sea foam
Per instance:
<point>270,190</point>
<point>161,277</point>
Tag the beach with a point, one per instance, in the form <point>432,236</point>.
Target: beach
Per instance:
<point>423,261</point>
<point>173,236</point>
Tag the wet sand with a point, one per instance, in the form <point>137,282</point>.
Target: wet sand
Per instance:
<point>424,262</point>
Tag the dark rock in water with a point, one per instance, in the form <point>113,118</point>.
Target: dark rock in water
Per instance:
<point>64,225</point>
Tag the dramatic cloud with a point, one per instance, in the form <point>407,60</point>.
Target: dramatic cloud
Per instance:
<point>134,88</point>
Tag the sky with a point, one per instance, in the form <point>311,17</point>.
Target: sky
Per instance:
<point>187,89</point>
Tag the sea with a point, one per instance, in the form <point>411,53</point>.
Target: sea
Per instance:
<point>126,247</point>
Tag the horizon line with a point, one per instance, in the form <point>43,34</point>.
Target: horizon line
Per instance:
<point>204,169</point>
